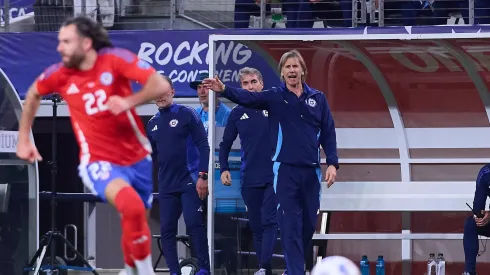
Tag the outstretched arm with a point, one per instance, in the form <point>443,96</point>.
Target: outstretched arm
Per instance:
<point>240,96</point>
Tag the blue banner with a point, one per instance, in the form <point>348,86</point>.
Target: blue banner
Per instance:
<point>17,9</point>
<point>181,55</point>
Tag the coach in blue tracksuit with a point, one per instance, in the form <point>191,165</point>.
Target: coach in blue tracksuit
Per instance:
<point>256,171</point>
<point>475,226</point>
<point>181,150</point>
<point>300,121</point>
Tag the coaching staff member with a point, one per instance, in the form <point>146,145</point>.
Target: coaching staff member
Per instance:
<point>477,225</point>
<point>300,122</point>
<point>181,150</point>
<point>256,171</point>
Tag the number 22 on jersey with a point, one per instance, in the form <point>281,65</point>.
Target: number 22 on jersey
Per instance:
<point>95,102</point>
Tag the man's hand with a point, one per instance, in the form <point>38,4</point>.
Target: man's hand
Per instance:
<point>330,175</point>
<point>226,178</point>
<point>118,105</point>
<point>214,84</point>
<point>202,188</point>
<point>28,151</point>
<point>483,221</point>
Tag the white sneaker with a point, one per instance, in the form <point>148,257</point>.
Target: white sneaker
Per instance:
<point>260,272</point>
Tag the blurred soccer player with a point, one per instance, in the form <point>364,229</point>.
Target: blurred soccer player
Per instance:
<point>115,162</point>
<point>181,149</point>
<point>300,121</point>
<point>256,171</point>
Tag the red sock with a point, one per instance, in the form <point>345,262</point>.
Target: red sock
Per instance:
<point>135,226</point>
<point>128,258</point>
<point>141,244</point>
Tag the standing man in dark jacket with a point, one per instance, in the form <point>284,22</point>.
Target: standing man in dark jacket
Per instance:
<point>181,150</point>
<point>477,224</point>
<point>300,122</point>
<point>256,171</point>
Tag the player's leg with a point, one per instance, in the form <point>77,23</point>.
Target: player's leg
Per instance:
<point>471,243</point>
<point>129,265</point>
<point>170,210</point>
<point>111,183</point>
<point>192,207</point>
<point>290,216</point>
<point>142,182</point>
<point>253,197</point>
<point>269,227</point>
<point>311,187</point>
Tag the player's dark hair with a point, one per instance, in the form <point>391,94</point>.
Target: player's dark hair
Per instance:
<point>92,29</point>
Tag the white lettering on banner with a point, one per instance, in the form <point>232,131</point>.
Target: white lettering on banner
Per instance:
<point>424,59</point>
<point>8,141</point>
<point>185,54</point>
<point>13,13</point>
<point>184,76</point>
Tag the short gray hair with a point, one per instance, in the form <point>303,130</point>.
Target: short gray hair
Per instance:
<point>250,71</point>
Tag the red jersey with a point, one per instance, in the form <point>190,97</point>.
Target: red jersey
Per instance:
<point>101,135</point>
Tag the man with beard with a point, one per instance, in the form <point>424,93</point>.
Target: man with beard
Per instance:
<point>115,162</point>
<point>222,111</point>
<point>181,149</point>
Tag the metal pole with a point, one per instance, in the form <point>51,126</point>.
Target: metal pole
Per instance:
<point>173,10</point>
<point>471,7</point>
<point>262,14</point>
<point>354,13</point>
<point>211,133</point>
<point>381,13</point>
<point>6,15</point>
<point>84,7</point>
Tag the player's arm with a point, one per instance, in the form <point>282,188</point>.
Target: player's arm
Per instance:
<point>328,136</point>
<point>130,66</point>
<point>31,105</point>
<point>200,139</point>
<point>229,136</point>
<point>44,85</point>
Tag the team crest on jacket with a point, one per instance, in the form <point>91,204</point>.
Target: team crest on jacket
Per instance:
<point>173,123</point>
<point>106,78</point>
<point>265,113</point>
<point>311,102</point>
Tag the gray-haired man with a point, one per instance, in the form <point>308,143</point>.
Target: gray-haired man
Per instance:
<point>256,171</point>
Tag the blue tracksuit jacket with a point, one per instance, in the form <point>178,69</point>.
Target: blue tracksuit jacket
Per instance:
<point>482,189</point>
<point>253,127</point>
<point>298,125</point>
<point>180,147</point>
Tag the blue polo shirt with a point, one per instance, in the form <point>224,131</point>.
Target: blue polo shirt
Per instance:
<point>222,114</point>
